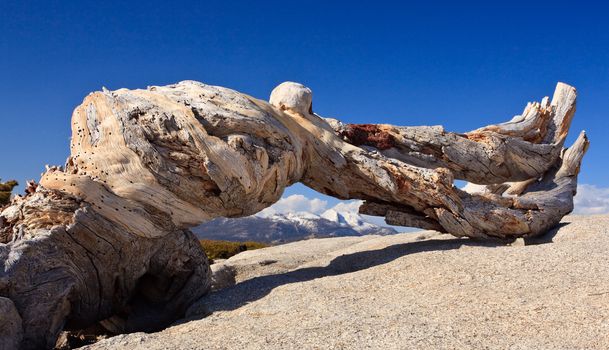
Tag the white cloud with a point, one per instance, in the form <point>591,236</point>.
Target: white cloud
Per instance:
<point>348,207</point>
<point>591,199</point>
<point>296,203</point>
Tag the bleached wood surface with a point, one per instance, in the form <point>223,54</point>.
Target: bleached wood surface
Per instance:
<point>104,238</point>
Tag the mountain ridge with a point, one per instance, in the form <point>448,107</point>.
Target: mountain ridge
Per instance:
<point>283,228</point>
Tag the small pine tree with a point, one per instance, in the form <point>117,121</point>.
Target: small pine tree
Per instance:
<point>5,191</point>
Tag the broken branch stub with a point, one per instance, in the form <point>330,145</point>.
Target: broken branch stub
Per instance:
<point>107,234</point>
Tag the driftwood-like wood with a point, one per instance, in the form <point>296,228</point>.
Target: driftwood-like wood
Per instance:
<point>523,148</point>
<point>105,239</point>
<point>68,267</point>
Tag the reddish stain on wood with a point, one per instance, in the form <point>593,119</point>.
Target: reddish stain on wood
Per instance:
<point>368,135</point>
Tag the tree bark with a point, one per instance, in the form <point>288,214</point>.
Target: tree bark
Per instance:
<point>68,267</point>
<point>106,239</point>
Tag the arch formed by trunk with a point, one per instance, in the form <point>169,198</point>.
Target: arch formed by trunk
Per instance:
<point>105,238</point>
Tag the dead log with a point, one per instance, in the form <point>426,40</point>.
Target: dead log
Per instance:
<point>425,196</point>
<point>106,239</point>
<point>68,267</point>
<point>525,147</point>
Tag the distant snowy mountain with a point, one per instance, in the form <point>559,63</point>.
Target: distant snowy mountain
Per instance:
<point>283,228</point>
<point>354,221</point>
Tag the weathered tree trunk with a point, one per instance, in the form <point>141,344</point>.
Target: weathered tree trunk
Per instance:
<point>105,239</point>
<point>69,267</point>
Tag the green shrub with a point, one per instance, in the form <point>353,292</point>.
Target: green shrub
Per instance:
<point>225,249</point>
<point>5,191</point>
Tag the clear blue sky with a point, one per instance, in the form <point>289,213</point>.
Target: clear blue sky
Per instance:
<point>462,65</point>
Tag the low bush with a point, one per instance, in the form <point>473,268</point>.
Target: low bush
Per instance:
<point>5,191</point>
<point>225,249</point>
